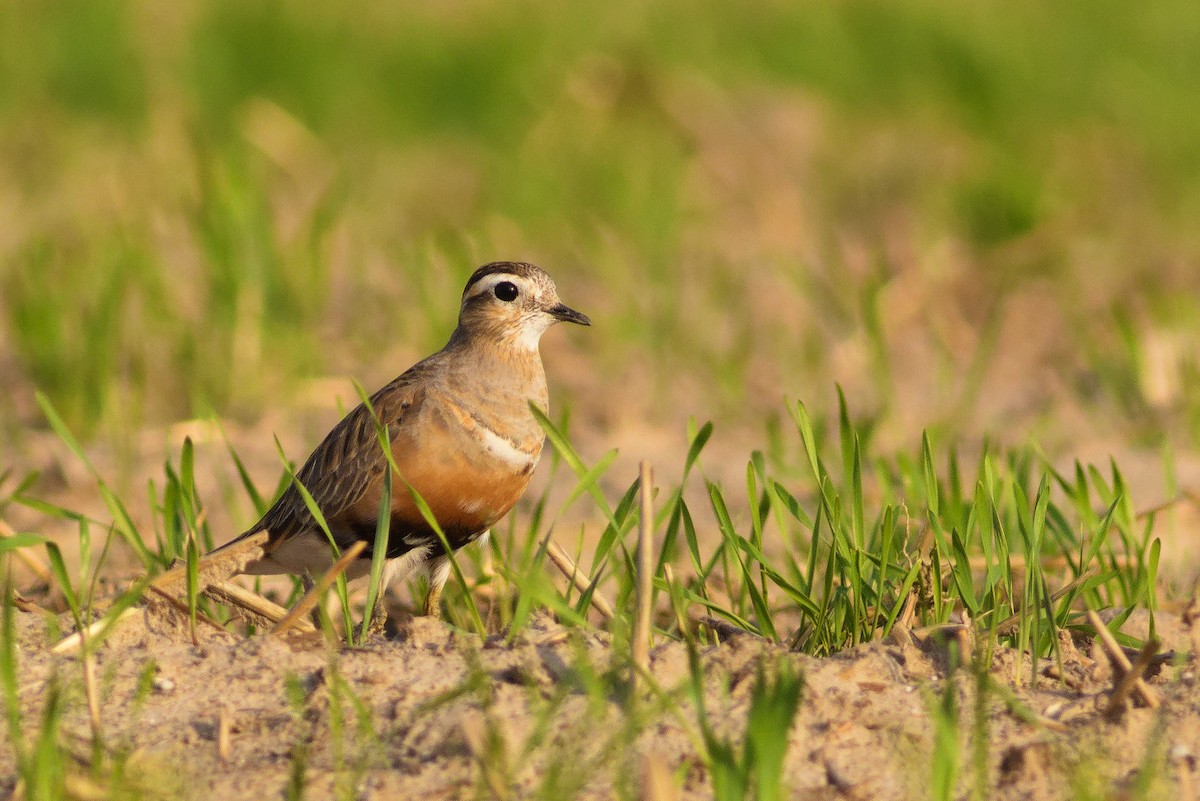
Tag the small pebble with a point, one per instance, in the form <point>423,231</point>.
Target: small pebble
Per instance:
<point>162,684</point>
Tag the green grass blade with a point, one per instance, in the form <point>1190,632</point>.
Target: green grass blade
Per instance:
<point>383,525</point>
<point>21,540</point>
<point>310,503</point>
<point>58,569</point>
<point>456,569</point>
<point>571,457</point>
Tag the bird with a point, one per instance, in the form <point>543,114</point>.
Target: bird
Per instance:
<point>463,438</point>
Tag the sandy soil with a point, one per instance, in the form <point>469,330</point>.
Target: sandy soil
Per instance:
<point>215,720</point>
<point>434,713</point>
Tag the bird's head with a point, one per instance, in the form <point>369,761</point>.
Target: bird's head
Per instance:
<point>515,302</point>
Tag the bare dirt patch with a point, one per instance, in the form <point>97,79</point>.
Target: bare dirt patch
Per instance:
<point>436,713</point>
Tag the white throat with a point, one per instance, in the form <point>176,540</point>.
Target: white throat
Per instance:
<point>531,332</point>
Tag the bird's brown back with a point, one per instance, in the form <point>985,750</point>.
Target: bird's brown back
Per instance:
<point>462,436</point>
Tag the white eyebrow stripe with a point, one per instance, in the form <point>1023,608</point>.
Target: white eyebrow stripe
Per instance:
<point>488,283</point>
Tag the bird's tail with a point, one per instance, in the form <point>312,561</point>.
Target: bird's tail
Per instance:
<point>217,565</point>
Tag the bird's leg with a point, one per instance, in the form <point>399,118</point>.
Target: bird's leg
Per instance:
<point>379,610</point>
<point>378,614</point>
<point>439,571</point>
<point>307,582</point>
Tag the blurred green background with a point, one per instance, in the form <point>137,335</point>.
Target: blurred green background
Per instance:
<point>976,217</point>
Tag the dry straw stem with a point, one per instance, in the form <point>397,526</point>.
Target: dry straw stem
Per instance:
<point>715,625</point>
<point>28,606</point>
<point>1010,623</point>
<point>310,600</point>
<point>1117,656</point>
<point>657,784</point>
<point>224,735</point>
<point>963,630</point>
<point>35,565</point>
<point>181,607</point>
<point>1116,703</point>
<point>253,606</point>
<point>1186,496</point>
<point>89,688</point>
<point>215,566</point>
<point>1047,563</point>
<point>645,574</point>
<point>908,615</point>
<point>568,568</point>
<point>74,642</point>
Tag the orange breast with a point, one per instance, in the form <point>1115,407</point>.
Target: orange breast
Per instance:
<point>461,494</point>
<point>464,486</point>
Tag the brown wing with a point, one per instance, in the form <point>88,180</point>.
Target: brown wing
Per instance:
<point>348,466</point>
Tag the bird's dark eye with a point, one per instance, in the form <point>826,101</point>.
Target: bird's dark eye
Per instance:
<point>506,291</point>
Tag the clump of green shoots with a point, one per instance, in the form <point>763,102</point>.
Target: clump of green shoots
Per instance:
<point>821,554</point>
<point>755,770</point>
<point>831,545</point>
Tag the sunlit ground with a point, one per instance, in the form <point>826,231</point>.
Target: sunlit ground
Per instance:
<point>978,221</point>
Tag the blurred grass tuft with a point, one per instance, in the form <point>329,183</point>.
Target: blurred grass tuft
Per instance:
<point>204,208</point>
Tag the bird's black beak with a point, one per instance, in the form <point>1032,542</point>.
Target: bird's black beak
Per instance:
<point>569,315</point>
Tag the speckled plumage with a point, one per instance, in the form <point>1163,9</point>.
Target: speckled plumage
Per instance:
<point>462,435</point>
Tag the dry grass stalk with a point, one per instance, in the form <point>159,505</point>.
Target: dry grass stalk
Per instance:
<point>908,615</point>
<point>85,789</point>
<point>551,637</point>
<point>28,606</point>
<point>1047,563</point>
<point>74,642</point>
<point>566,565</point>
<point>1010,623</point>
<point>310,600</point>
<point>35,565</point>
<point>645,574</point>
<point>182,608</point>
<point>1116,703</point>
<point>1186,496</point>
<point>89,689</point>
<point>215,566</point>
<point>681,619</point>
<point>1051,671</point>
<point>224,735</point>
<point>253,606</point>
<point>723,630</point>
<point>1051,723</point>
<point>1121,662</point>
<point>657,783</point>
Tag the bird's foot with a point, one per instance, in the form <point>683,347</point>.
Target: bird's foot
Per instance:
<point>433,602</point>
<point>378,623</point>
